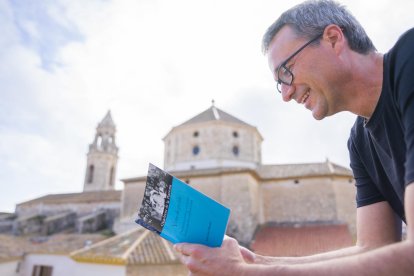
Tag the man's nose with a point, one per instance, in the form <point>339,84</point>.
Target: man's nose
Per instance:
<point>287,91</point>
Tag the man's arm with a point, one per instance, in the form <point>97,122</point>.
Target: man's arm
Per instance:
<point>377,225</point>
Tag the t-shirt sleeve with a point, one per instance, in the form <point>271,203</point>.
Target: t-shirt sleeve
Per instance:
<point>366,191</point>
<point>404,87</point>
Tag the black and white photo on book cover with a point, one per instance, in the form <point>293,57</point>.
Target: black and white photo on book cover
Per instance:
<point>156,199</point>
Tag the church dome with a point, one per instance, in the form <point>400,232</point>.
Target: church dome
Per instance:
<point>212,139</point>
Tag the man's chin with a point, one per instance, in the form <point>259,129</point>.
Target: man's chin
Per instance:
<point>318,115</point>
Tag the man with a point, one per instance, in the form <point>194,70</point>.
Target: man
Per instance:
<point>321,57</point>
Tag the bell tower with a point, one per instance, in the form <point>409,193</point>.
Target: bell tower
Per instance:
<point>102,158</point>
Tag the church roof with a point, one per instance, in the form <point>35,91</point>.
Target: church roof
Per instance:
<point>300,240</point>
<point>85,197</point>
<point>136,247</point>
<point>214,114</point>
<point>302,170</point>
<point>107,121</point>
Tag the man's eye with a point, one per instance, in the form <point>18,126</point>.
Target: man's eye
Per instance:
<point>284,72</point>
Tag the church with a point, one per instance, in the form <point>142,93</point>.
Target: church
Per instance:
<point>220,155</point>
<point>276,209</point>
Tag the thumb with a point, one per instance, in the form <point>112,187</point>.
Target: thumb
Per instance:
<point>186,248</point>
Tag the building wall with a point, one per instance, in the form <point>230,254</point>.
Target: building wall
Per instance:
<point>237,191</point>
<point>79,208</point>
<point>103,163</point>
<point>132,196</point>
<point>9,268</point>
<point>157,270</point>
<point>63,265</point>
<point>345,192</point>
<point>309,200</point>
<point>240,194</point>
<point>82,269</point>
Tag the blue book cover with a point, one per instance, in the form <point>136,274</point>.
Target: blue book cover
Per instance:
<point>180,213</point>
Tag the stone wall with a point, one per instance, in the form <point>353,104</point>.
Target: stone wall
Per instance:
<point>103,163</point>
<point>298,200</point>
<point>57,223</point>
<point>240,194</point>
<point>132,198</point>
<point>28,225</point>
<point>345,192</point>
<point>215,140</point>
<point>80,209</point>
<point>92,223</point>
<point>6,223</point>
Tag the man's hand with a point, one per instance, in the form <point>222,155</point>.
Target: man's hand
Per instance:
<point>225,260</point>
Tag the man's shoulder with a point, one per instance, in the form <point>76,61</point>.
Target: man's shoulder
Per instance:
<point>406,40</point>
<point>358,127</point>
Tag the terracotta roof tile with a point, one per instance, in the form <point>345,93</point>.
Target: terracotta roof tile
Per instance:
<point>300,240</point>
<point>138,246</point>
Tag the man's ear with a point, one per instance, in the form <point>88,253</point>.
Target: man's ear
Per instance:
<point>334,35</point>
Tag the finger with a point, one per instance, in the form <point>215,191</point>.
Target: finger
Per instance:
<point>188,248</point>
<point>192,264</point>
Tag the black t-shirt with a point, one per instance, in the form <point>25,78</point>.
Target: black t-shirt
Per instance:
<point>382,150</point>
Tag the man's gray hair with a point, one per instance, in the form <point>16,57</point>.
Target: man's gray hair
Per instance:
<point>310,19</point>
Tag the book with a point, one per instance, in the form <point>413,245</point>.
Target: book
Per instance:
<point>180,213</point>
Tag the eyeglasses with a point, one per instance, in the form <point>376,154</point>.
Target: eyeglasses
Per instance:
<point>284,75</point>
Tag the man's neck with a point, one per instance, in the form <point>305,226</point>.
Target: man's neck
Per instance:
<point>368,85</point>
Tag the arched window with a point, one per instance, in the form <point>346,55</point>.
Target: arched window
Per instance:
<point>235,134</point>
<point>195,134</point>
<point>111,177</point>
<point>99,142</point>
<point>236,150</point>
<point>90,174</point>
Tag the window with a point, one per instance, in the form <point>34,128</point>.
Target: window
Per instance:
<point>42,270</point>
<point>196,150</point>
<point>195,134</point>
<point>235,134</point>
<point>111,177</point>
<point>99,142</point>
<point>236,150</point>
<point>90,174</point>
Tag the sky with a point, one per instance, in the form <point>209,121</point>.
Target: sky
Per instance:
<point>154,64</point>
